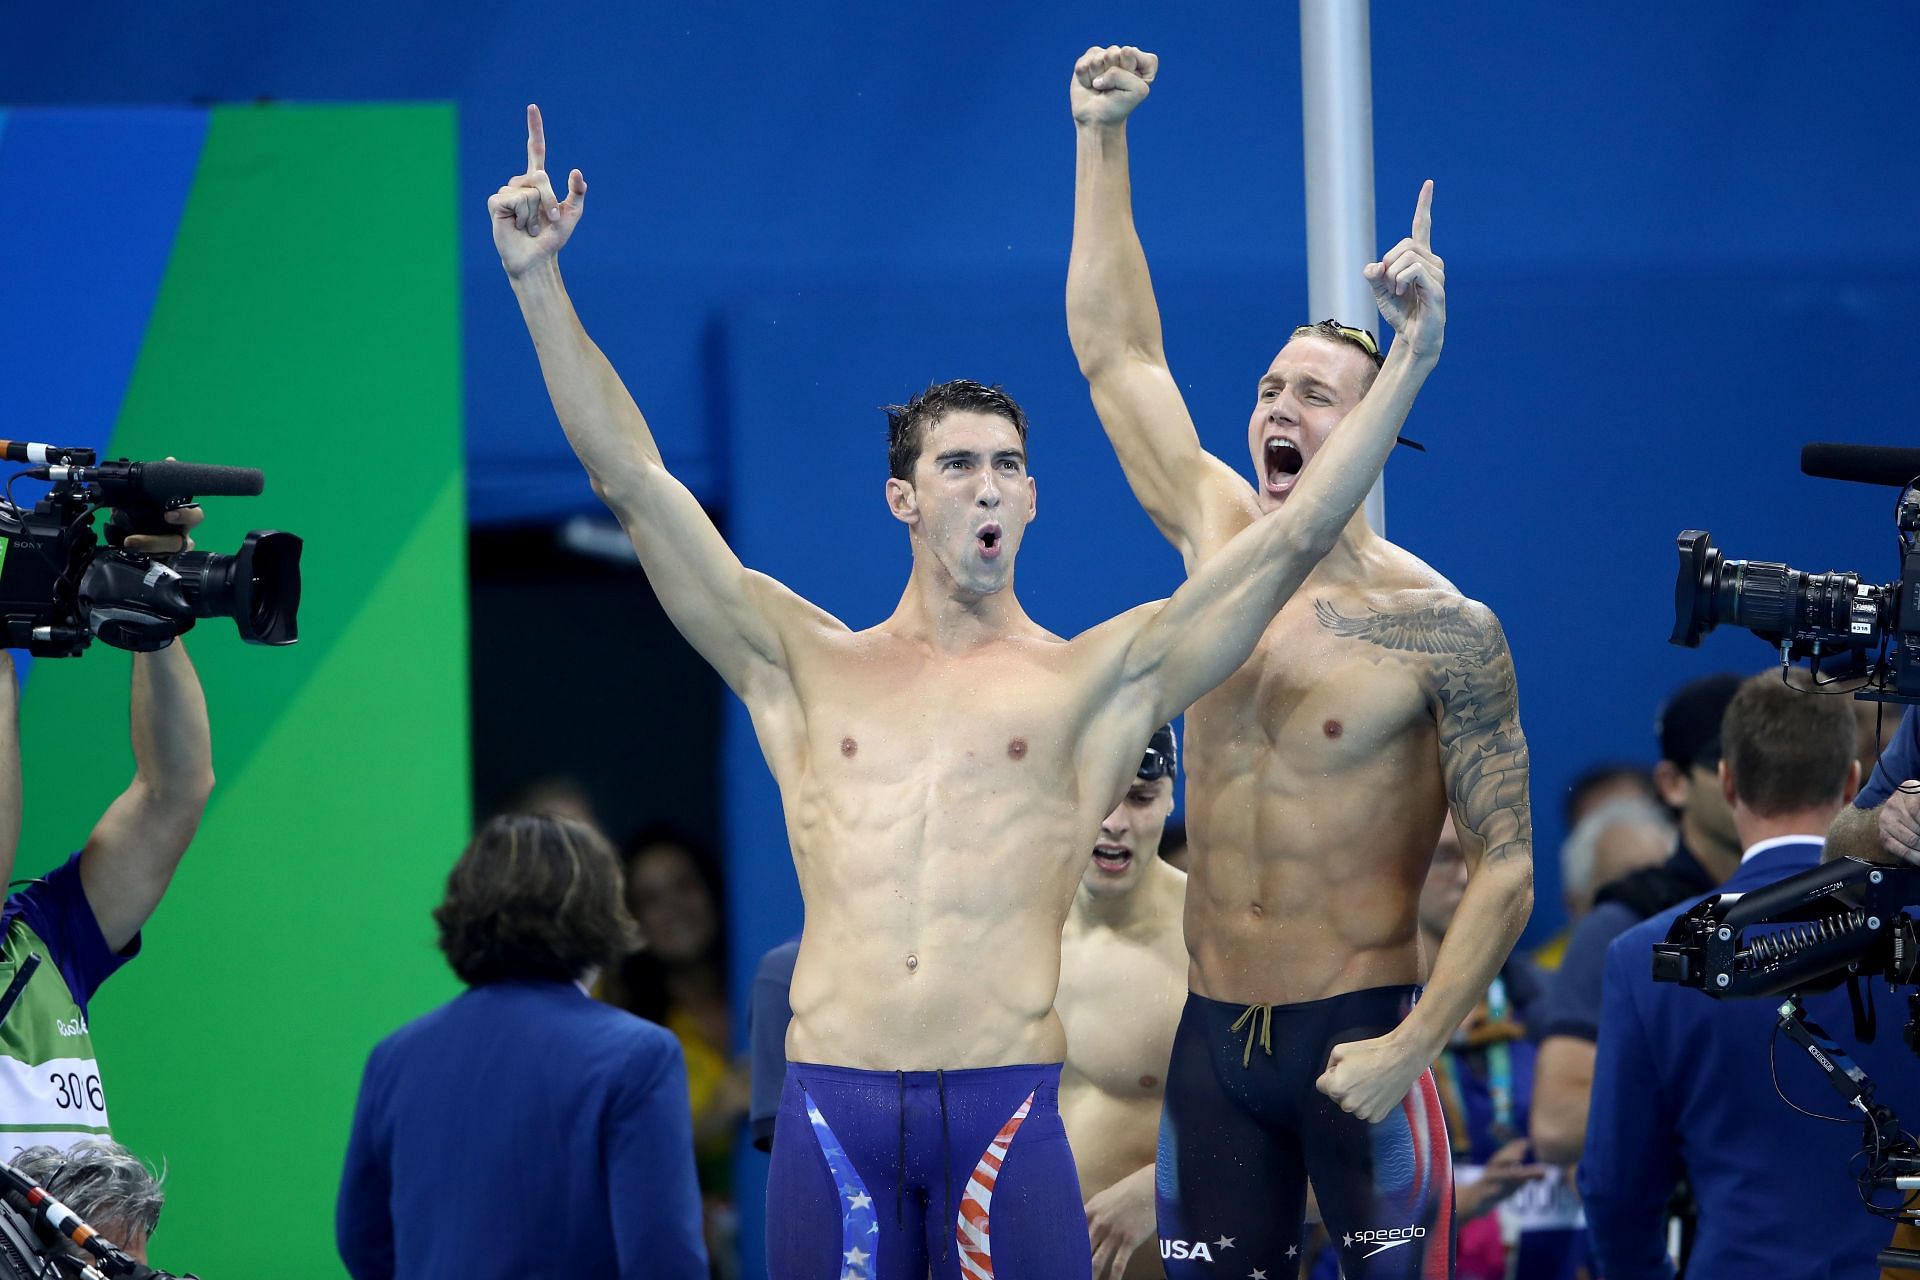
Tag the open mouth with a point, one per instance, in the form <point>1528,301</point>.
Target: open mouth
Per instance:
<point>1111,858</point>
<point>1283,462</point>
<point>988,536</point>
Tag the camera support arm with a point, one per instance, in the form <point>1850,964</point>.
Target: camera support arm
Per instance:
<point>1846,916</point>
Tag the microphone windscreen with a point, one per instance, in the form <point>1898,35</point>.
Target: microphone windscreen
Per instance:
<point>163,480</point>
<point>1866,463</point>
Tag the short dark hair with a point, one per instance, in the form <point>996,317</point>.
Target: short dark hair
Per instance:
<point>1788,750</point>
<point>907,423</point>
<point>534,896</point>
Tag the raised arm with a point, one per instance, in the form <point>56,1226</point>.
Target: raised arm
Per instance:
<point>738,620</point>
<point>1211,624</point>
<point>130,857</point>
<point>10,809</point>
<point>1197,501</point>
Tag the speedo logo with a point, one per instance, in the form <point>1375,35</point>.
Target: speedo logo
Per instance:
<point>1186,1249</point>
<point>1391,1238</point>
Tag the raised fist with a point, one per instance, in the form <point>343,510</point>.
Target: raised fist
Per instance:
<point>529,224</point>
<point>1109,83</point>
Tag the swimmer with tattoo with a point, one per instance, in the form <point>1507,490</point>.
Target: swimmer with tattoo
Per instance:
<point>943,774</point>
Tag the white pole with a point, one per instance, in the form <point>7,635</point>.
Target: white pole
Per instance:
<point>1336,97</point>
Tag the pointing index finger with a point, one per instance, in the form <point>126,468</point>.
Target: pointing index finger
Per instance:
<point>536,140</point>
<point>1423,216</point>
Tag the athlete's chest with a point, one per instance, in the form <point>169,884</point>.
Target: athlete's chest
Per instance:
<point>1120,1004</point>
<point>983,724</point>
<point>1312,693</point>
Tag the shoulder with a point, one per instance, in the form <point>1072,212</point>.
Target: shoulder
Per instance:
<point>1422,622</point>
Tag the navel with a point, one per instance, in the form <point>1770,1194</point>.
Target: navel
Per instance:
<point>1017,749</point>
<point>913,962</point>
<point>1257,910</point>
<point>848,747</point>
<point>1333,728</point>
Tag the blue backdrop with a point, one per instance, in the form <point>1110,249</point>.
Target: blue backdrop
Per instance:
<point>1677,241</point>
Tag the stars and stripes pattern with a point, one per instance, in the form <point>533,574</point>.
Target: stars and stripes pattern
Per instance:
<point>859,1224</point>
<point>1433,1161</point>
<point>972,1229</point>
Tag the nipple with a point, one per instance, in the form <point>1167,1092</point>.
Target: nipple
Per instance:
<point>1017,749</point>
<point>848,746</point>
<point>1333,728</point>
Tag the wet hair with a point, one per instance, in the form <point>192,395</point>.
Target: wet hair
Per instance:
<point>534,896</point>
<point>1788,750</point>
<point>1335,332</point>
<point>102,1181</point>
<point>907,423</point>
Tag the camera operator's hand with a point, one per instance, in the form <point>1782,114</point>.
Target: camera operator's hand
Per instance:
<point>1900,822</point>
<point>529,224</point>
<point>186,519</point>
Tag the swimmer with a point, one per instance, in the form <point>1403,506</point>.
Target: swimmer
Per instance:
<point>1318,777</point>
<point>1123,978</point>
<point>943,774</point>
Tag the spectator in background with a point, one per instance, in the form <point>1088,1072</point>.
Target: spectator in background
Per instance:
<point>106,1184</point>
<point>1516,1218</point>
<point>1706,853</point>
<point>1613,828</point>
<point>1598,784</point>
<point>525,1129</point>
<point>1615,839</point>
<point>680,981</point>
<point>1688,1084</point>
<point>557,795</point>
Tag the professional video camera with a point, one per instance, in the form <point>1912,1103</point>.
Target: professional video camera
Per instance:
<point>1845,921</point>
<point>59,589</point>
<point>1819,615</point>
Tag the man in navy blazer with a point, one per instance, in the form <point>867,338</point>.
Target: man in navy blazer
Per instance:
<point>1683,1082</point>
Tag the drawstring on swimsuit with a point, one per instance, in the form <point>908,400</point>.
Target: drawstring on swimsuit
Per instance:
<point>900,1172</point>
<point>1248,1020</point>
<point>946,1159</point>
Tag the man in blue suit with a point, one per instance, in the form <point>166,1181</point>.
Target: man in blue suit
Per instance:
<point>1683,1082</point>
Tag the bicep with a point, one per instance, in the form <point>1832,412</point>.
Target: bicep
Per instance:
<point>1483,752</point>
<point>738,620</point>
<point>1191,495</point>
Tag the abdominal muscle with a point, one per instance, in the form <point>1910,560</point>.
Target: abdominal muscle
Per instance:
<point>932,942</point>
<point>1306,865</point>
